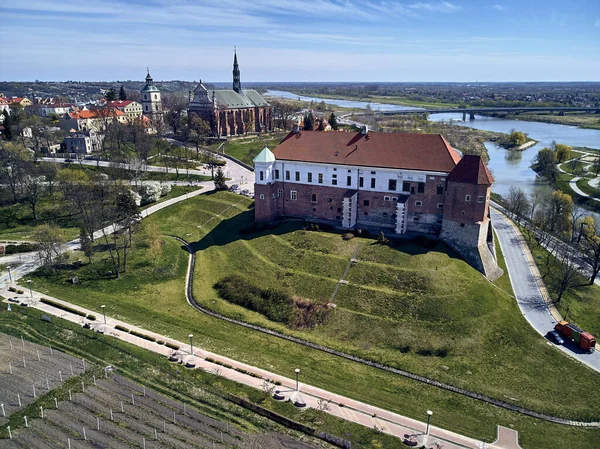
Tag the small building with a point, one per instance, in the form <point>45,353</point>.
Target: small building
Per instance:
<point>92,119</point>
<point>44,110</point>
<point>396,182</point>
<point>131,109</point>
<point>231,112</point>
<point>19,101</point>
<point>82,142</point>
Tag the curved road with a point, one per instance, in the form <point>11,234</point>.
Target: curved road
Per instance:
<point>529,289</point>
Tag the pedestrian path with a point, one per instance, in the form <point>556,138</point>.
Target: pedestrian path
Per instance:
<point>343,407</point>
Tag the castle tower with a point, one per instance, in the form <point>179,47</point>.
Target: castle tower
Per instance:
<point>150,99</point>
<point>466,223</point>
<point>237,84</point>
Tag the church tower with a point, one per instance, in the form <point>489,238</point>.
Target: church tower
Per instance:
<point>237,84</point>
<point>150,98</point>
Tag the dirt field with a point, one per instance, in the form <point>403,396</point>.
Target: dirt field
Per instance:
<point>141,418</point>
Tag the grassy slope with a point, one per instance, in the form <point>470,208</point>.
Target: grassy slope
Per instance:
<point>246,149</point>
<point>483,351</point>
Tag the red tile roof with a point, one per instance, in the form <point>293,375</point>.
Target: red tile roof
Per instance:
<point>389,150</point>
<point>120,103</point>
<point>96,113</point>
<point>472,170</point>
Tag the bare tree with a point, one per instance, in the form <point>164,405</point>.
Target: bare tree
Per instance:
<point>516,202</point>
<point>50,242</point>
<point>33,188</point>
<point>567,273</point>
<point>535,199</point>
<point>590,245</point>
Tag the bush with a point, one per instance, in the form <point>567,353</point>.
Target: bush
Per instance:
<point>210,360</point>
<point>144,336</point>
<point>62,307</point>
<point>348,236</point>
<point>160,342</point>
<point>91,317</point>
<point>23,248</point>
<point>137,199</point>
<point>172,346</point>
<point>121,328</point>
<point>165,189</point>
<point>150,192</point>
<point>12,289</point>
<point>382,239</point>
<point>20,292</point>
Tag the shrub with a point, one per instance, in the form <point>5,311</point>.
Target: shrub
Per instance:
<point>137,199</point>
<point>150,192</point>
<point>20,292</point>
<point>348,236</point>
<point>12,289</point>
<point>382,239</point>
<point>160,342</point>
<point>62,307</point>
<point>165,189</point>
<point>144,336</point>
<point>210,360</point>
<point>91,317</point>
<point>22,248</point>
<point>121,328</point>
<point>172,346</point>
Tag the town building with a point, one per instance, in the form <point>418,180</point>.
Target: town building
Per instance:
<point>397,182</point>
<point>82,142</point>
<point>44,110</point>
<point>131,109</point>
<point>231,112</point>
<point>18,101</point>
<point>91,119</point>
<point>151,102</point>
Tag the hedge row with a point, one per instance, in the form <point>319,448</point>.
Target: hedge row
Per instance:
<point>144,336</point>
<point>172,346</point>
<point>121,328</point>
<point>277,305</point>
<point>63,307</point>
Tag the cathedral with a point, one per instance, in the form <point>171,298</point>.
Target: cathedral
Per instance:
<point>231,112</point>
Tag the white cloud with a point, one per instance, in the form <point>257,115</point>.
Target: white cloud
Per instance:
<point>436,7</point>
<point>499,8</point>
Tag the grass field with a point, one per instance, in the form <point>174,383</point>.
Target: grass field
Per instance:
<point>246,149</point>
<point>421,310</point>
<point>582,120</point>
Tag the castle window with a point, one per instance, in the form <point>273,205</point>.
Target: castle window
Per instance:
<point>334,182</point>
<point>386,198</point>
<point>262,196</point>
<point>309,177</point>
<point>287,175</point>
<point>329,200</point>
<point>462,225</point>
<point>297,176</point>
<point>365,202</point>
<point>462,212</point>
<point>273,196</point>
<point>394,198</point>
<point>440,205</point>
<point>276,174</point>
<point>349,171</point>
<point>320,178</point>
<point>440,189</point>
<point>279,193</point>
<point>416,219</point>
<point>314,209</point>
<point>418,203</point>
<point>372,172</point>
<point>468,198</point>
<point>334,169</point>
<point>480,199</point>
<point>385,214</point>
<point>348,180</point>
<point>372,183</point>
<point>293,195</point>
<point>262,175</point>
<point>361,182</point>
<point>314,197</point>
<point>406,186</point>
<point>392,184</point>
<point>421,187</point>
<point>339,209</point>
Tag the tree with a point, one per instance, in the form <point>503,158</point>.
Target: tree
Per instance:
<point>320,126</point>
<point>220,180</point>
<point>50,242</point>
<point>85,244</point>
<point>516,138</point>
<point>516,202</point>
<point>596,166</point>
<point>545,163</point>
<point>559,211</point>
<point>590,245</point>
<point>333,122</point>
<point>122,94</point>
<point>111,95</point>
<point>309,122</point>
<point>175,117</point>
<point>563,152</point>
<point>7,123</point>
<point>32,187</point>
<point>567,273</point>
<point>535,198</point>
<point>198,131</point>
<point>14,164</point>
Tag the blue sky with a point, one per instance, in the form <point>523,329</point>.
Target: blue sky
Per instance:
<point>297,40</point>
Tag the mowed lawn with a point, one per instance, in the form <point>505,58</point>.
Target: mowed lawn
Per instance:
<point>246,150</point>
<point>421,310</point>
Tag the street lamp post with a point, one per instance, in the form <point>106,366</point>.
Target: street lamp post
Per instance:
<point>429,413</point>
<point>29,285</point>
<point>103,307</point>
<point>191,344</point>
<point>297,373</point>
<point>9,275</point>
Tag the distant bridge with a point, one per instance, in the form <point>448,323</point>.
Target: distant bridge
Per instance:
<point>472,111</point>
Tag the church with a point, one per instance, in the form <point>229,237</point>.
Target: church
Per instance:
<point>231,112</point>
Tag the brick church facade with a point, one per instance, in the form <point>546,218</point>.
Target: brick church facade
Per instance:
<point>231,112</point>
<point>397,182</point>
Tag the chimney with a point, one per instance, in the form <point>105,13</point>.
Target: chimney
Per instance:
<point>364,130</point>
<point>296,129</point>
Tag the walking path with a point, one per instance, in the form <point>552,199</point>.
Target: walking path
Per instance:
<point>349,409</point>
<point>573,181</point>
<point>530,291</point>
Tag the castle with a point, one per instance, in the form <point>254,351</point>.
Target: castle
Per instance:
<point>231,112</point>
<point>397,182</point>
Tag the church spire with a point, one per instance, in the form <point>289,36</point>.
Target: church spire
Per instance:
<point>237,84</point>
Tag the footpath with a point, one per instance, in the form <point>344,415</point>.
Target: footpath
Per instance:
<point>407,429</point>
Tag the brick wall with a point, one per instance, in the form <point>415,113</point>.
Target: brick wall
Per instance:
<point>457,208</point>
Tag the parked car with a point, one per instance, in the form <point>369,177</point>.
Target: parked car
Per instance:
<point>234,187</point>
<point>555,337</point>
<point>13,299</point>
<point>24,304</point>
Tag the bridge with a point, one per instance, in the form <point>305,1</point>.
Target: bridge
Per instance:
<point>472,111</point>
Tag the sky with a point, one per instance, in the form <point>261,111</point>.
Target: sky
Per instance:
<point>298,40</point>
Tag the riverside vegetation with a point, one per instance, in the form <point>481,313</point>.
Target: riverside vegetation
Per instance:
<point>415,305</point>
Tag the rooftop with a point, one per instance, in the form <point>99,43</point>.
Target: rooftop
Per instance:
<point>471,170</point>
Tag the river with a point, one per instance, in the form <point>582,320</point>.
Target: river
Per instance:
<point>510,168</point>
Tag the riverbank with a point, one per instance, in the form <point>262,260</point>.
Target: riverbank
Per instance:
<point>589,121</point>
<point>382,99</point>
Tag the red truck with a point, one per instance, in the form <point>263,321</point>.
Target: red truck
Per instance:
<point>583,339</point>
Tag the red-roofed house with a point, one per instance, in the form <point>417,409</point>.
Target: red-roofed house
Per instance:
<point>132,109</point>
<point>397,182</point>
<point>91,120</point>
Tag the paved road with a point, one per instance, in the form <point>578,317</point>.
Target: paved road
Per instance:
<point>529,289</point>
<point>351,410</point>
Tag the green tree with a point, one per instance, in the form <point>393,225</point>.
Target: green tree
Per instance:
<point>85,244</point>
<point>563,152</point>
<point>333,122</point>
<point>309,122</point>
<point>7,125</point>
<point>590,245</point>
<point>220,180</point>
<point>545,163</point>
<point>516,138</point>
<point>50,242</point>
<point>320,126</point>
<point>122,94</point>
<point>559,213</point>
<point>111,95</point>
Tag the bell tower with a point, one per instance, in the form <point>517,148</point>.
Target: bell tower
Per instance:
<point>150,99</point>
<point>237,84</point>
